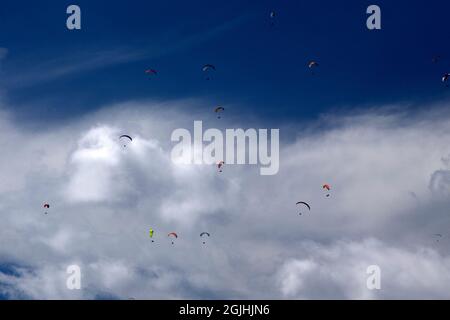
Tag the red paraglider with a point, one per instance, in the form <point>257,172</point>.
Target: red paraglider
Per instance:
<point>327,187</point>
<point>172,234</point>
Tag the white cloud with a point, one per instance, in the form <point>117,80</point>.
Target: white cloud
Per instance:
<point>95,161</point>
<point>104,197</point>
<point>340,270</point>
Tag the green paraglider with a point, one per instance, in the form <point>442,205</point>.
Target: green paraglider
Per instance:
<point>150,233</point>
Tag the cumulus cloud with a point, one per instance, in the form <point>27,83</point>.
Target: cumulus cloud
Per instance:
<point>95,169</point>
<point>340,270</point>
<point>104,197</point>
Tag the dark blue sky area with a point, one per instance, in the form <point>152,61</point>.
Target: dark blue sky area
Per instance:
<point>261,69</point>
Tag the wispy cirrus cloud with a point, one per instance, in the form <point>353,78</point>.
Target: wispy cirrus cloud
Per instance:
<point>25,72</point>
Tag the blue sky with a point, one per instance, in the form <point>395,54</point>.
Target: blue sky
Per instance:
<point>58,73</point>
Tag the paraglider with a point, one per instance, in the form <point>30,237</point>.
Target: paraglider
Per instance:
<point>272,17</point>
<point>220,165</point>
<point>312,65</point>
<point>207,68</point>
<point>445,78</point>
<point>150,233</point>
<point>46,206</point>
<point>204,234</point>
<point>151,72</point>
<point>218,110</point>
<point>327,187</point>
<point>125,136</point>
<point>173,235</point>
<point>304,203</point>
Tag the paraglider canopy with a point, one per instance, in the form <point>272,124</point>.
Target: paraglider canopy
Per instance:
<point>272,17</point>
<point>172,234</point>
<point>125,136</point>
<point>218,110</point>
<point>151,71</point>
<point>445,77</point>
<point>304,203</point>
<point>207,67</point>
<point>312,64</point>
<point>204,234</point>
<point>220,165</point>
<point>150,234</point>
<point>327,187</point>
<point>46,206</point>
